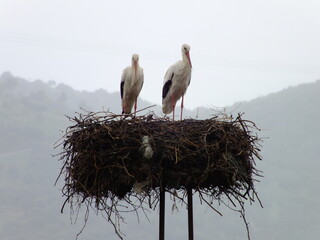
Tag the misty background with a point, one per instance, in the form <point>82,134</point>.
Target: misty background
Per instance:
<point>239,49</point>
<point>33,119</point>
<point>260,58</point>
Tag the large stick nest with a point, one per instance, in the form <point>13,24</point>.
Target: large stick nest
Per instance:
<point>109,157</point>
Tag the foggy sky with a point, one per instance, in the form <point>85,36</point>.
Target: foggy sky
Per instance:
<point>239,49</point>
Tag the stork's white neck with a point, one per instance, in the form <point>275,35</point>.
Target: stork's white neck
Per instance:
<point>135,67</point>
<point>186,60</point>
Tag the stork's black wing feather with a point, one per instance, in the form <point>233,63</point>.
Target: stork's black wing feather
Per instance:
<point>121,88</point>
<point>166,87</point>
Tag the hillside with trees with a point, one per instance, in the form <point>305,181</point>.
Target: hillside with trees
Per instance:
<point>32,119</point>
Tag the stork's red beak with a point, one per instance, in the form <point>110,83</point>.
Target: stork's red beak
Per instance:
<point>135,65</point>
<point>188,56</point>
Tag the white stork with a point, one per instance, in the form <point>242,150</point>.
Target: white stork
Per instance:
<point>176,82</point>
<point>131,85</point>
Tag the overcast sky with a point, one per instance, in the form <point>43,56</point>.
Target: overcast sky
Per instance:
<point>239,49</point>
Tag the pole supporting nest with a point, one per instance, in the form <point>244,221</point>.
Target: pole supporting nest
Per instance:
<point>190,214</point>
<point>162,214</point>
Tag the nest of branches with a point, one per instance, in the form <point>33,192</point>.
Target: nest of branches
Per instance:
<point>108,159</point>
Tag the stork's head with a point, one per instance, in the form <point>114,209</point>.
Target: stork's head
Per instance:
<point>135,62</point>
<point>185,49</point>
<point>135,59</point>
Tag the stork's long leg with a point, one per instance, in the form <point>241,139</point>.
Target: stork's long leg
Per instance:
<point>173,114</point>
<point>173,106</point>
<point>181,109</point>
<point>135,107</point>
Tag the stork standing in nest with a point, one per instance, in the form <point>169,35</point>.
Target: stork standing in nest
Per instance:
<point>131,84</point>
<point>176,82</point>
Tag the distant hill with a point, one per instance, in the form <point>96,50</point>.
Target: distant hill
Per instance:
<point>61,96</point>
<point>32,119</point>
<point>290,120</point>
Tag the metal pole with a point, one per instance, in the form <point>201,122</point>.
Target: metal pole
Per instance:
<point>190,214</point>
<point>161,215</point>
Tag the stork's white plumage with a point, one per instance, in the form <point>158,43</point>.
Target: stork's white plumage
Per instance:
<point>131,84</point>
<point>176,82</point>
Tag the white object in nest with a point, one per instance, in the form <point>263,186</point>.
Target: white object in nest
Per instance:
<point>137,186</point>
<point>147,148</point>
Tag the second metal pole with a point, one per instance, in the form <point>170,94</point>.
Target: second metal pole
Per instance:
<point>190,214</point>
<point>162,211</point>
